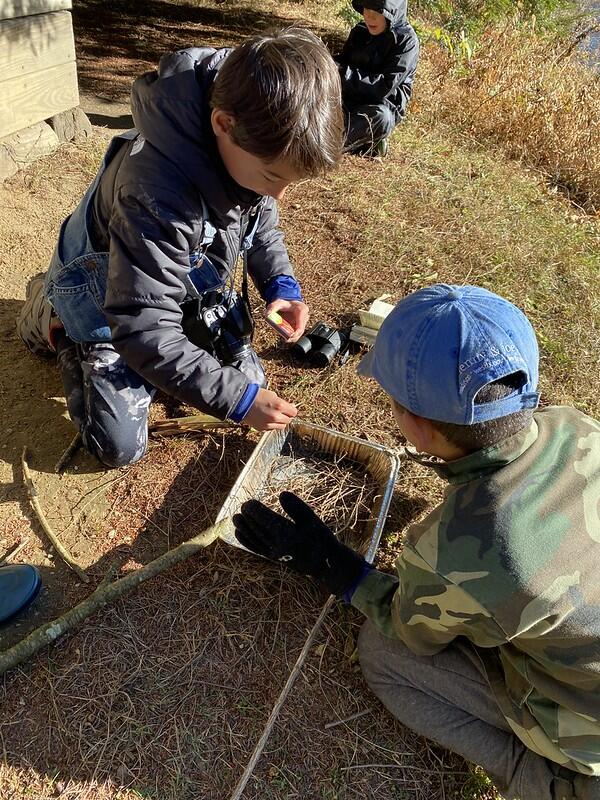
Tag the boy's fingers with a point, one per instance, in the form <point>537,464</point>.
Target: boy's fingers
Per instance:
<point>286,409</point>
<point>260,518</point>
<point>269,412</point>
<point>297,509</point>
<point>271,403</point>
<point>268,426</point>
<point>278,421</point>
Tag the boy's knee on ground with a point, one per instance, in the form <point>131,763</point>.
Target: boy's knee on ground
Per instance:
<point>388,663</point>
<point>117,450</point>
<point>386,121</point>
<point>369,125</point>
<point>371,654</point>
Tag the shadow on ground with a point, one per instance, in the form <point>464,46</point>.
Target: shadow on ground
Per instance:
<point>115,42</point>
<point>120,123</point>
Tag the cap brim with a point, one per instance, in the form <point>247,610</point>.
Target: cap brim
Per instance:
<point>365,367</point>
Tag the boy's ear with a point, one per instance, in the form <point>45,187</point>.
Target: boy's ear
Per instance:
<point>418,430</point>
<point>222,122</point>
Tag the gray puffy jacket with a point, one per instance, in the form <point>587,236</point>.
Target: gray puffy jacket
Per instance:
<point>148,213</point>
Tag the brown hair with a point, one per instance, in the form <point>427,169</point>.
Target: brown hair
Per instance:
<point>284,93</point>
<point>485,434</point>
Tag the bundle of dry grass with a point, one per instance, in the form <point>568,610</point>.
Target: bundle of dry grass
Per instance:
<point>531,97</point>
<point>338,489</point>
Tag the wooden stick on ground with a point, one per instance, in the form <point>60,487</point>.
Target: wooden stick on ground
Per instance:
<point>69,453</point>
<point>193,424</point>
<point>337,722</point>
<point>239,789</point>
<point>14,552</point>
<point>108,591</point>
<point>33,496</point>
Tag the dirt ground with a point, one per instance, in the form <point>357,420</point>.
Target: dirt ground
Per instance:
<point>34,411</point>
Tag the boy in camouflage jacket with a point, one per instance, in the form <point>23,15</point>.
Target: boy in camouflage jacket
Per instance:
<point>488,638</point>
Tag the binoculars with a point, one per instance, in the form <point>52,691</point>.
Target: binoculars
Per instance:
<point>321,345</point>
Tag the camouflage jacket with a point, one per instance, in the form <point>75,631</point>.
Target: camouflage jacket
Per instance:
<point>511,562</point>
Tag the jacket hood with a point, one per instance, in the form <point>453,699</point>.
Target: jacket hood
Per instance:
<point>393,10</point>
<point>171,109</point>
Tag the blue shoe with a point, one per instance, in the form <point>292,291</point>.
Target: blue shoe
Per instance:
<point>19,585</point>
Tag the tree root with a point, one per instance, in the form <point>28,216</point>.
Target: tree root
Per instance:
<point>56,543</point>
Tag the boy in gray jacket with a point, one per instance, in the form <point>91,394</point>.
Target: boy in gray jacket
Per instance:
<point>140,290</point>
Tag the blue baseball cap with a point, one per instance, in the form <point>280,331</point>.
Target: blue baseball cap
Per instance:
<point>442,344</point>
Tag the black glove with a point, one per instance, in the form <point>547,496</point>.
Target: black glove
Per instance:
<point>305,544</point>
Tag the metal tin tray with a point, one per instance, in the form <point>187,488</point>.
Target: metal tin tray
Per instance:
<point>380,462</point>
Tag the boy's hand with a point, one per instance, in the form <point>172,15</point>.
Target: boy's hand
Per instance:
<point>295,312</point>
<point>269,412</point>
<point>304,543</point>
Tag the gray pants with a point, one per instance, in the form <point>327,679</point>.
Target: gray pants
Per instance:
<point>366,125</point>
<point>446,698</point>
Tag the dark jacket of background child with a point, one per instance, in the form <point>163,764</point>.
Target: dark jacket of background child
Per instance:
<point>380,69</point>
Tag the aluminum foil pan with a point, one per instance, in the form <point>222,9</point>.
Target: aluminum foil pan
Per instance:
<point>380,462</point>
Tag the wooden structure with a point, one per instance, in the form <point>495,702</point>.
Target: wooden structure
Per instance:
<point>38,80</point>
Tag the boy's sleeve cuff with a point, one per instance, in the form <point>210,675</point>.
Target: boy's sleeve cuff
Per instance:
<point>347,596</point>
<point>243,407</point>
<point>282,287</point>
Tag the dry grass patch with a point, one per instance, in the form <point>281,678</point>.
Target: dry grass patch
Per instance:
<point>533,98</point>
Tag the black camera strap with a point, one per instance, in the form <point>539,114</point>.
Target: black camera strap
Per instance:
<point>246,296</point>
<point>203,317</point>
<point>248,227</point>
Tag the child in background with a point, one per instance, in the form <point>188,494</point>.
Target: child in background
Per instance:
<point>377,67</point>
<point>140,290</point>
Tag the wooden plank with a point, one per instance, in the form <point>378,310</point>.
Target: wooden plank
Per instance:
<point>10,9</point>
<point>36,43</point>
<point>32,98</point>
